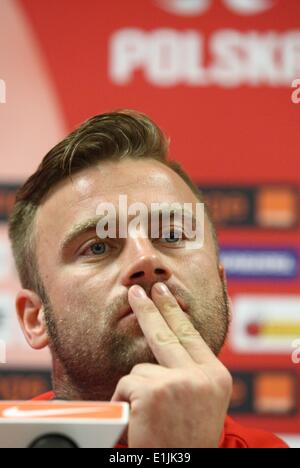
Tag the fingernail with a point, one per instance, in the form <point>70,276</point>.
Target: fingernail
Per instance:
<point>161,288</point>
<point>137,291</point>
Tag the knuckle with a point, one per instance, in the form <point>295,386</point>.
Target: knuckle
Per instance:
<point>198,381</point>
<point>137,368</point>
<point>160,392</point>
<point>123,380</point>
<point>142,368</point>
<point>225,381</point>
<point>169,387</point>
<point>164,339</point>
<point>187,382</point>
<point>187,332</point>
<point>171,308</point>
<point>149,309</point>
<point>189,387</point>
<point>205,384</point>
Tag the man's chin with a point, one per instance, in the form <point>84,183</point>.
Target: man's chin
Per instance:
<point>137,352</point>
<point>130,326</point>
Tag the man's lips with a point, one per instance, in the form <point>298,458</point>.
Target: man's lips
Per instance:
<point>128,311</point>
<point>182,305</point>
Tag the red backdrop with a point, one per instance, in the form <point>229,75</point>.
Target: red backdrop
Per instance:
<point>217,76</point>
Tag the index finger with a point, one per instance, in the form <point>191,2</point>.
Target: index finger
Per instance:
<point>164,344</point>
<point>181,325</point>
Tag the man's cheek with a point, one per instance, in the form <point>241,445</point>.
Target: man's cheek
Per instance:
<point>203,268</point>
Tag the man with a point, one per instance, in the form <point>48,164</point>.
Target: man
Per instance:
<point>136,318</point>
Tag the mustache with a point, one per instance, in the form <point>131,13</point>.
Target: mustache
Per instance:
<point>121,304</point>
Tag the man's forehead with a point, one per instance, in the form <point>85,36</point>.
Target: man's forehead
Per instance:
<point>146,182</point>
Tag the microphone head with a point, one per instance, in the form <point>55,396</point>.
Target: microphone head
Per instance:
<point>38,424</point>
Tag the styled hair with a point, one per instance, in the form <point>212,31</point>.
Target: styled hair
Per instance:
<point>111,136</point>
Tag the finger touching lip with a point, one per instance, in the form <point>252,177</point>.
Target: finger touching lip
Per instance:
<point>127,312</point>
<point>168,292</point>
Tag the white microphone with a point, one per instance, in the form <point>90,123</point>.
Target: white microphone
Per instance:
<point>61,424</point>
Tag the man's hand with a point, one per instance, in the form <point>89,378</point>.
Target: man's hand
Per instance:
<point>183,401</point>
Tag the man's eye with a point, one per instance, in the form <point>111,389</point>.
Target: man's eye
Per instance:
<point>96,249</point>
<point>173,237</point>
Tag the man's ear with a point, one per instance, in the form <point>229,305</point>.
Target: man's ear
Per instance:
<point>30,311</point>
<point>223,276</point>
<point>222,273</point>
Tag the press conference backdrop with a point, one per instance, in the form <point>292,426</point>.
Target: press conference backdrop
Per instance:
<point>222,78</point>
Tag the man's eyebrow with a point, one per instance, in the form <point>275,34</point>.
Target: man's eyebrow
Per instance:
<point>91,225</point>
<point>78,230</point>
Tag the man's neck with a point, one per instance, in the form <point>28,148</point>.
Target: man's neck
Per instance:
<point>66,389</point>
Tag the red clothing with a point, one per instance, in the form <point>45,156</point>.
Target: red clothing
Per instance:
<point>234,435</point>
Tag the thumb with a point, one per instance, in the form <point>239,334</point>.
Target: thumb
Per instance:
<point>129,388</point>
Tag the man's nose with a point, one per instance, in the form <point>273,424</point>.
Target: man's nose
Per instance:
<point>146,268</point>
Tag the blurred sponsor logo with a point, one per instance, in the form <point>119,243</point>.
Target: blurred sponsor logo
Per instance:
<point>275,393</point>
<point>276,207</point>
<point>249,7</point>
<point>241,400</point>
<point>7,199</point>
<point>265,324</point>
<point>265,393</point>
<point>185,7</point>
<point>168,57</point>
<point>23,384</point>
<point>266,207</point>
<point>260,263</point>
<point>198,7</point>
<point>231,206</point>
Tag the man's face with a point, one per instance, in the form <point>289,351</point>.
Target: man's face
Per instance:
<point>87,279</point>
